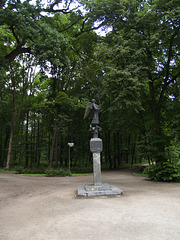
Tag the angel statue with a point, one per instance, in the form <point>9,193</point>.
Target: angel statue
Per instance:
<point>93,108</point>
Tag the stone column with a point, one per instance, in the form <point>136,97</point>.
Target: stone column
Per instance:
<point>96,149</point>
<point>97,189</point>
<point>97,168</point>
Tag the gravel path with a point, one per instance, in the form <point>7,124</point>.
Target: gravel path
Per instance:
<point>41,208</point>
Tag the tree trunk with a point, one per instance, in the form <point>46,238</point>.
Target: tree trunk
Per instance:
<point>133,158</point>
<point>119,149</point>
<point>115,144</point>
<point>52,145</point>
<point>61,152</point>
<point>38,144</point>
<point>10,144</point>
<point>15,116</point>
<point>5,146</point>
<point>159,139</point>
<point>27,151</point>
<point>108,150</point>
<point>57,150</point>
<point>128,148</point>
<point>1,152</point>
<point>105,148</point>
<point>34,141</point>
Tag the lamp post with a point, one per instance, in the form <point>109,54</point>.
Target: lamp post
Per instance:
<point>70,145</point>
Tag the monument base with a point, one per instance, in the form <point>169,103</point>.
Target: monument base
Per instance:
<point>90,190</point>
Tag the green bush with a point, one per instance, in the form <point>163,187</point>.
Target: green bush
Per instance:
<point>49,172</point>
<point>168,171</point>
<point>58,172</point>
<point>19,170</point>
<point>22,170</point>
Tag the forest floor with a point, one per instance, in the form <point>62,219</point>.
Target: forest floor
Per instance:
<point>42,208</point>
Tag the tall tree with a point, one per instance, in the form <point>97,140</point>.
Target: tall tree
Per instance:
<point>39,30</point>
<point>142,59</point>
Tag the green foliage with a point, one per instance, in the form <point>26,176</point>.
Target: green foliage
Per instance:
<point>58,172</point>
<point>48,172</point>
<point>22,170</point>
<point>4,170</point>
<point>167,171</point>
<point>135,68</point>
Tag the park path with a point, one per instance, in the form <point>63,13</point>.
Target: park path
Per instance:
<point>41,208</point>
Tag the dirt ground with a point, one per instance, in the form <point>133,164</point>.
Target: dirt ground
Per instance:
<point>41,208</point>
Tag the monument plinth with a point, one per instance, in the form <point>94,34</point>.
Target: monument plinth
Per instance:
<point>96,147</point>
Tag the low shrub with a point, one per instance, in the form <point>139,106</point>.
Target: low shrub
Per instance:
<point>58,172</point>
<point>168,171</point>
<point>19,170</point>
<point>22,170</point>
<point>49,172</point>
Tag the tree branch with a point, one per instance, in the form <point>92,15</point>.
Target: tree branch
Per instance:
<point>64,10</point>
<point>19,49</point>
<point>169,55</point>
<point>167,83</point>
<point>14,34</point>
<point>70,25</point>
<point>83,30</point>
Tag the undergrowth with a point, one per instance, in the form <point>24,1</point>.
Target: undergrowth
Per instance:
<point>167,171</point>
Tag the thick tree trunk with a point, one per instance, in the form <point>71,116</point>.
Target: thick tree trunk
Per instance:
<point>10,144</point>
<point>133,158</point>
<point>119,149</point>
<point>27,145</point>
<point>52,145</point>
<point>105,145</point>
<point>115,155</point>
<point>5,146</point>
<point>108,149</point>
<point>159,138</point>
<point>57,150</point>
<point>31,148</point>
<point>38,142</point>
<point>1,152</point>
<point>61,151</point>
<point>15,116</point>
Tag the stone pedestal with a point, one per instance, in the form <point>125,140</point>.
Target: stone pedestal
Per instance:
<point>97,189</point>
<point>89,190</point>
<point>96,148</point>
<point>97,168</point>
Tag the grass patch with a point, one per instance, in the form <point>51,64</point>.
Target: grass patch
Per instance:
<point>4,170</point>
<point>32,172</point>
<point>36,175</point>
<point>141,174</point>
<point>44,175</point>
<point>80,174</point>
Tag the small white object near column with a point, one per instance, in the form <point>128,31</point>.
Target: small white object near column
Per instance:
<point>70,145</point>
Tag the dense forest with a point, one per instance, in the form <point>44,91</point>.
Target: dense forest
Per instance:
<point>56,56</point>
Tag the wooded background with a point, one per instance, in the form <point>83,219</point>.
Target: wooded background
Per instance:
<point>53,62</point>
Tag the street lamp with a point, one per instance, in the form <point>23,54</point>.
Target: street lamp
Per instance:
<point>70,145</point>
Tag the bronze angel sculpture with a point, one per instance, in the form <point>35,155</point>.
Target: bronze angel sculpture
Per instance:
<point>93,108</point>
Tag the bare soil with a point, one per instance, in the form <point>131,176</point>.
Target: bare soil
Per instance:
<point>41,208</point>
